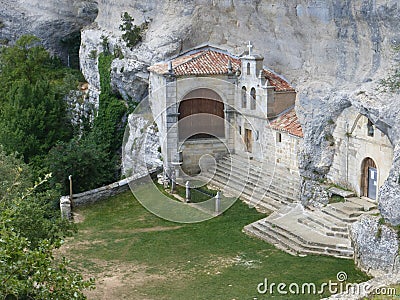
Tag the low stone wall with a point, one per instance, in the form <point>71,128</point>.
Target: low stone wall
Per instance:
<point>107,191</point>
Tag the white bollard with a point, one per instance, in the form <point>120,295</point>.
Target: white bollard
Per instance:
<point>65,207</point>
<point>187,185</point>
<point>218,202</point>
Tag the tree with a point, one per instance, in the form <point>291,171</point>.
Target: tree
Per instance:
<point>33,113</point>
<point>30,229</point>
<point>87,161</point>
<point>132,33</point>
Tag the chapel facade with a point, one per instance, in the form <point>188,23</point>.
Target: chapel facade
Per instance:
<point>208,103</point>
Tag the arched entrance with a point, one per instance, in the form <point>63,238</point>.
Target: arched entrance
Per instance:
<point>369,179</point>
<point>201,115</point>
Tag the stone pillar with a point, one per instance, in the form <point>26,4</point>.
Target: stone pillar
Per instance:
<point>65,207</point>
<point>172,121</point>
<point>187,185</point>
<point>218,202</point>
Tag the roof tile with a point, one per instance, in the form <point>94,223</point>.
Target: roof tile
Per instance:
<point>288,122</point>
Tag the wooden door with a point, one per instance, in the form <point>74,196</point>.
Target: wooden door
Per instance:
<point>248,140</point>
<point>369,179</point>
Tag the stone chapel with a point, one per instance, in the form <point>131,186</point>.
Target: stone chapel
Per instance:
<point>210,104</point>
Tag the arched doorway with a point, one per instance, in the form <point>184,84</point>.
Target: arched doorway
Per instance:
<point>369,179</point>
<point>201,115</point>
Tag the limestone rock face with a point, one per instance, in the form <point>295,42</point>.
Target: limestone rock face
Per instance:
<point>390,192</point>
<point>50,20</point>
<point>333,52</point>
<point>376,250</point>
<point>141,146</point>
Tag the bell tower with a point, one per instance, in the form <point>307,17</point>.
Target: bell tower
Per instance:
<point>252,64</point>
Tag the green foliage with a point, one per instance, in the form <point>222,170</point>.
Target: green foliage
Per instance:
<point>33,113</point>
<point>84,159</point>
<point>132,33</point>
<point>93,54</point>
<point>109,126</point>
<point>30,229</point>
<point>93,159</point>
<point>104,44</point>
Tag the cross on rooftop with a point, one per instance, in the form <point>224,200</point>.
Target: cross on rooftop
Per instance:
<point>249,46</point>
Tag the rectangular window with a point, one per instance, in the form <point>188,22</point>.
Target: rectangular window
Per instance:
<point>278,137</point>
<point>240,130</point>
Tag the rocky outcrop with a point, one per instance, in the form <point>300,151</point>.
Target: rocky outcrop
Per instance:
<point>141,147</point>
<point>56,22</point>
<point>334,52</point>
<point>390,192</point>
<point>376,246</point>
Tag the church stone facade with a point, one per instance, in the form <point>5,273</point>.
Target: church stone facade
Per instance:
<point>208,103</point>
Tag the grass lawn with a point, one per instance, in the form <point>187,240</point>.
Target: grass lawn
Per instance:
<point>136,255</point>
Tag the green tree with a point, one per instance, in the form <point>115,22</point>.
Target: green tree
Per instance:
<point>132,33</point>
<point>87,161</point>
<point>30,229</point>
<point>33,113</point>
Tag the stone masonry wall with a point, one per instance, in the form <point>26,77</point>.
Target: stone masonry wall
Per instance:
<point>353,145</point>
<point>108,191</point>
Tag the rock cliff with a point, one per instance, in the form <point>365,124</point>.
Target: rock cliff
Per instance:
<point>334,52</point>
<point>56,22</point>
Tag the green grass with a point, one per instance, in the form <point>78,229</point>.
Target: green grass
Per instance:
<point>207,260</point>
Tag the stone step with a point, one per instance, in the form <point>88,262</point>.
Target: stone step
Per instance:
<point>339,215</point>
<point>303,233</point>
<point>249,189</point>
<point>264,205</point>
<point>309,222</point>
<point>349,209</point>
<point>254,167</point>
<point>366,204</point>
<point>269,201</point>
<point>328,222</point>
<point>281,188</point>
<point>297,243</point>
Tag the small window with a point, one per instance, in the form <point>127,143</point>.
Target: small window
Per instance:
<point>370,127</point>
<point>240,130</point>
<point>248,69</point>
<point>278,137</point>
<point>244,96</point>
<point>253,98</point>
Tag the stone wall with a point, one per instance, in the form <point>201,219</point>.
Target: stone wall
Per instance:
<point>193,150</point>
<point>108,191</point>
<point>353,145</point>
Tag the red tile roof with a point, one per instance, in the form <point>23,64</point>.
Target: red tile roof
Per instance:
<point>280,84</point>
<point>210,61</point>
<point>287,122</point>
<point>203,62</point>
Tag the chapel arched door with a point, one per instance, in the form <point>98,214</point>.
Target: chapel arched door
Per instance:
<point>369,179</point>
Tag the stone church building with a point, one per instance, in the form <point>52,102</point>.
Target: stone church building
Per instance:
<point>210,104</point>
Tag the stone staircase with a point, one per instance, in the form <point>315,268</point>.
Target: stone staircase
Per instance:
<point>290,226</point>
<point>260,184</point>
<point>300,231</point>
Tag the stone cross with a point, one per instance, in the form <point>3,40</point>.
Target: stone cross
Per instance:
<point>249,45</point>
<point>218,202</point>
<point>187,185</point>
